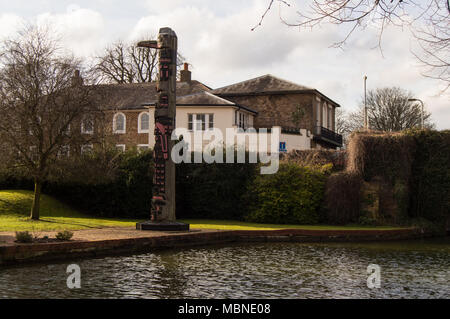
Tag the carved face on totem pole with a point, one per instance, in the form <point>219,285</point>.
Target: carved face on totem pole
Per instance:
<point>163,201</point>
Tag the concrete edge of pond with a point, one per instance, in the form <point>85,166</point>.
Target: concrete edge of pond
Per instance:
<point>141,242</point>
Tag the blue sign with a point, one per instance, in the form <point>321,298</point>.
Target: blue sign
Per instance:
<point>283,148</point>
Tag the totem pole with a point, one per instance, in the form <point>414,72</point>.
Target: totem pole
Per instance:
<point>163,200</point>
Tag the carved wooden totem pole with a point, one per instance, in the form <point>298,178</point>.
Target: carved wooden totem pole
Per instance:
<point>163,200</point>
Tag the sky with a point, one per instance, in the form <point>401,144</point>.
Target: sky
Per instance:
<point>215,37</point>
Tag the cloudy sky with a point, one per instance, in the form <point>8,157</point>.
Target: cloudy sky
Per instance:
<point>216,38</point>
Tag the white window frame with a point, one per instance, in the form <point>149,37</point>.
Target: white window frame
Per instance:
<point>116,131</point>
<point>324,115</point>
<point>121,147</point>
<point>140,130</point>
<point>83,130</point>
<point>60,152</point>
<point>140,147</point>
<point>196,122</point>
<point>84,147</point>
<point>242,119</point>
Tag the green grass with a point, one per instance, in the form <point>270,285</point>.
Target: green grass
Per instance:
<point>15,210</point>
<point>237,225</point>
<point>15,207</point>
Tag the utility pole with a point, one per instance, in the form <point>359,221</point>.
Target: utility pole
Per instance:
<point>366,117</point>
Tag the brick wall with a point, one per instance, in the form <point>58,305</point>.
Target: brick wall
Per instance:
<point>131,138</point>
<point>277,109</point>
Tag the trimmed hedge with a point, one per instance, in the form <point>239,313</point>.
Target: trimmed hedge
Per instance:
<point>430,190</point>
<point>212,190</point>
<point>343,198</point>
<point>292,196</point>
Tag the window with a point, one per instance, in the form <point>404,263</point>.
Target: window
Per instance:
<point>210,121</point>
<point>190,122</point>
<point>64,151</point>
<point>86,149</point>
<point>242,120</point>
<point>87,126</point>
<point>330,119</point>
<point>143,147</point>
<point>119,123</point>
<point>121,147</point>
<point>324,115</point>
<point>200,122</point>
<point>34,156</point>
<point>144,122</point>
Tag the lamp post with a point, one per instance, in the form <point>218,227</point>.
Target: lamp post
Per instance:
<point>422,114</point>
<point>366,120</point>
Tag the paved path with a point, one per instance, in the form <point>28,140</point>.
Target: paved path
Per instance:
<point>100,234</point>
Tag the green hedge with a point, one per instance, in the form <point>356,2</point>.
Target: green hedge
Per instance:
<point>127,194</point>
<point>430,187</point>
<point>212,190</point>
<point>292,196</point>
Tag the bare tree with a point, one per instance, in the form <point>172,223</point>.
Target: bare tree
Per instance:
<point>42,105</point>
<point>127,63</point>
<point>343,126</point>
<point>427,20</point>
<point>389,109</point>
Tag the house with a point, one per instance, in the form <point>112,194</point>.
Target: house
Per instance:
<point>262,102</point>
<point>276,100</point>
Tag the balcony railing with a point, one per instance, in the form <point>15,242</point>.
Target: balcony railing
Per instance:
<point>329,136</point>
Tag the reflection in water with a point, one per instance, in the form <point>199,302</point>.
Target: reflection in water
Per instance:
<point>414,269</point>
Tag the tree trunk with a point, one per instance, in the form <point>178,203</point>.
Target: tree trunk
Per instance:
<point>36,200</point>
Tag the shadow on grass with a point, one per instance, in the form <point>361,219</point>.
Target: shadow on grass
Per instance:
<point>72,223</point>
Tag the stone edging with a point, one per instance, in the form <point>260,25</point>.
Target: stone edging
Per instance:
<point>19,253</point>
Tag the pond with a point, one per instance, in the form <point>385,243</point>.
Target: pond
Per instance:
<point>409,269</point>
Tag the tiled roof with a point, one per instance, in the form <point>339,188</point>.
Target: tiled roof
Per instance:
<point>265,83</point>
<point>207,99</point>
<point>135,95</point>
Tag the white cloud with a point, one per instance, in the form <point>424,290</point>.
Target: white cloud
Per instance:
<point>81,29</point>
<point>9,24</point>
<point>215,38</point>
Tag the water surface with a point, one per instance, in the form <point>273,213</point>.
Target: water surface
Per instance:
<point>410,269</point>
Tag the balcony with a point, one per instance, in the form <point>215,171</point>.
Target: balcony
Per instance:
<point>323,134</point>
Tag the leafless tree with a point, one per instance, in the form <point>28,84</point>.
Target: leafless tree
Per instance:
<point>343,126</point>
<point>389,109</point>
<point>428,21</point>
<point>126,63</point>
<point>42,106</point>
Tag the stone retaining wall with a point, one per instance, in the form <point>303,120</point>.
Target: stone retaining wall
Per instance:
<point>18,253</point>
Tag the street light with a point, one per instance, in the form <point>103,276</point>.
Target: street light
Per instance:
<point>422,115</point>
<point>366,120</point>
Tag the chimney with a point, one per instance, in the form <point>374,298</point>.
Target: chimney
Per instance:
<point>185,74</point>
<point>77,79</point>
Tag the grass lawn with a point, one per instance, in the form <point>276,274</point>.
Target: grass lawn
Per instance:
<point>15,209</point>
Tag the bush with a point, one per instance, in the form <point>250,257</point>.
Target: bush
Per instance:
<point>24,237</point>
<point>317,158</point>
<point>379,154</point>
<point>212,190</point>
<point>343,198</point>
<point>126,191</point>
<point>430,191</point>
<point>64,235</point>
<point>291,196</point>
